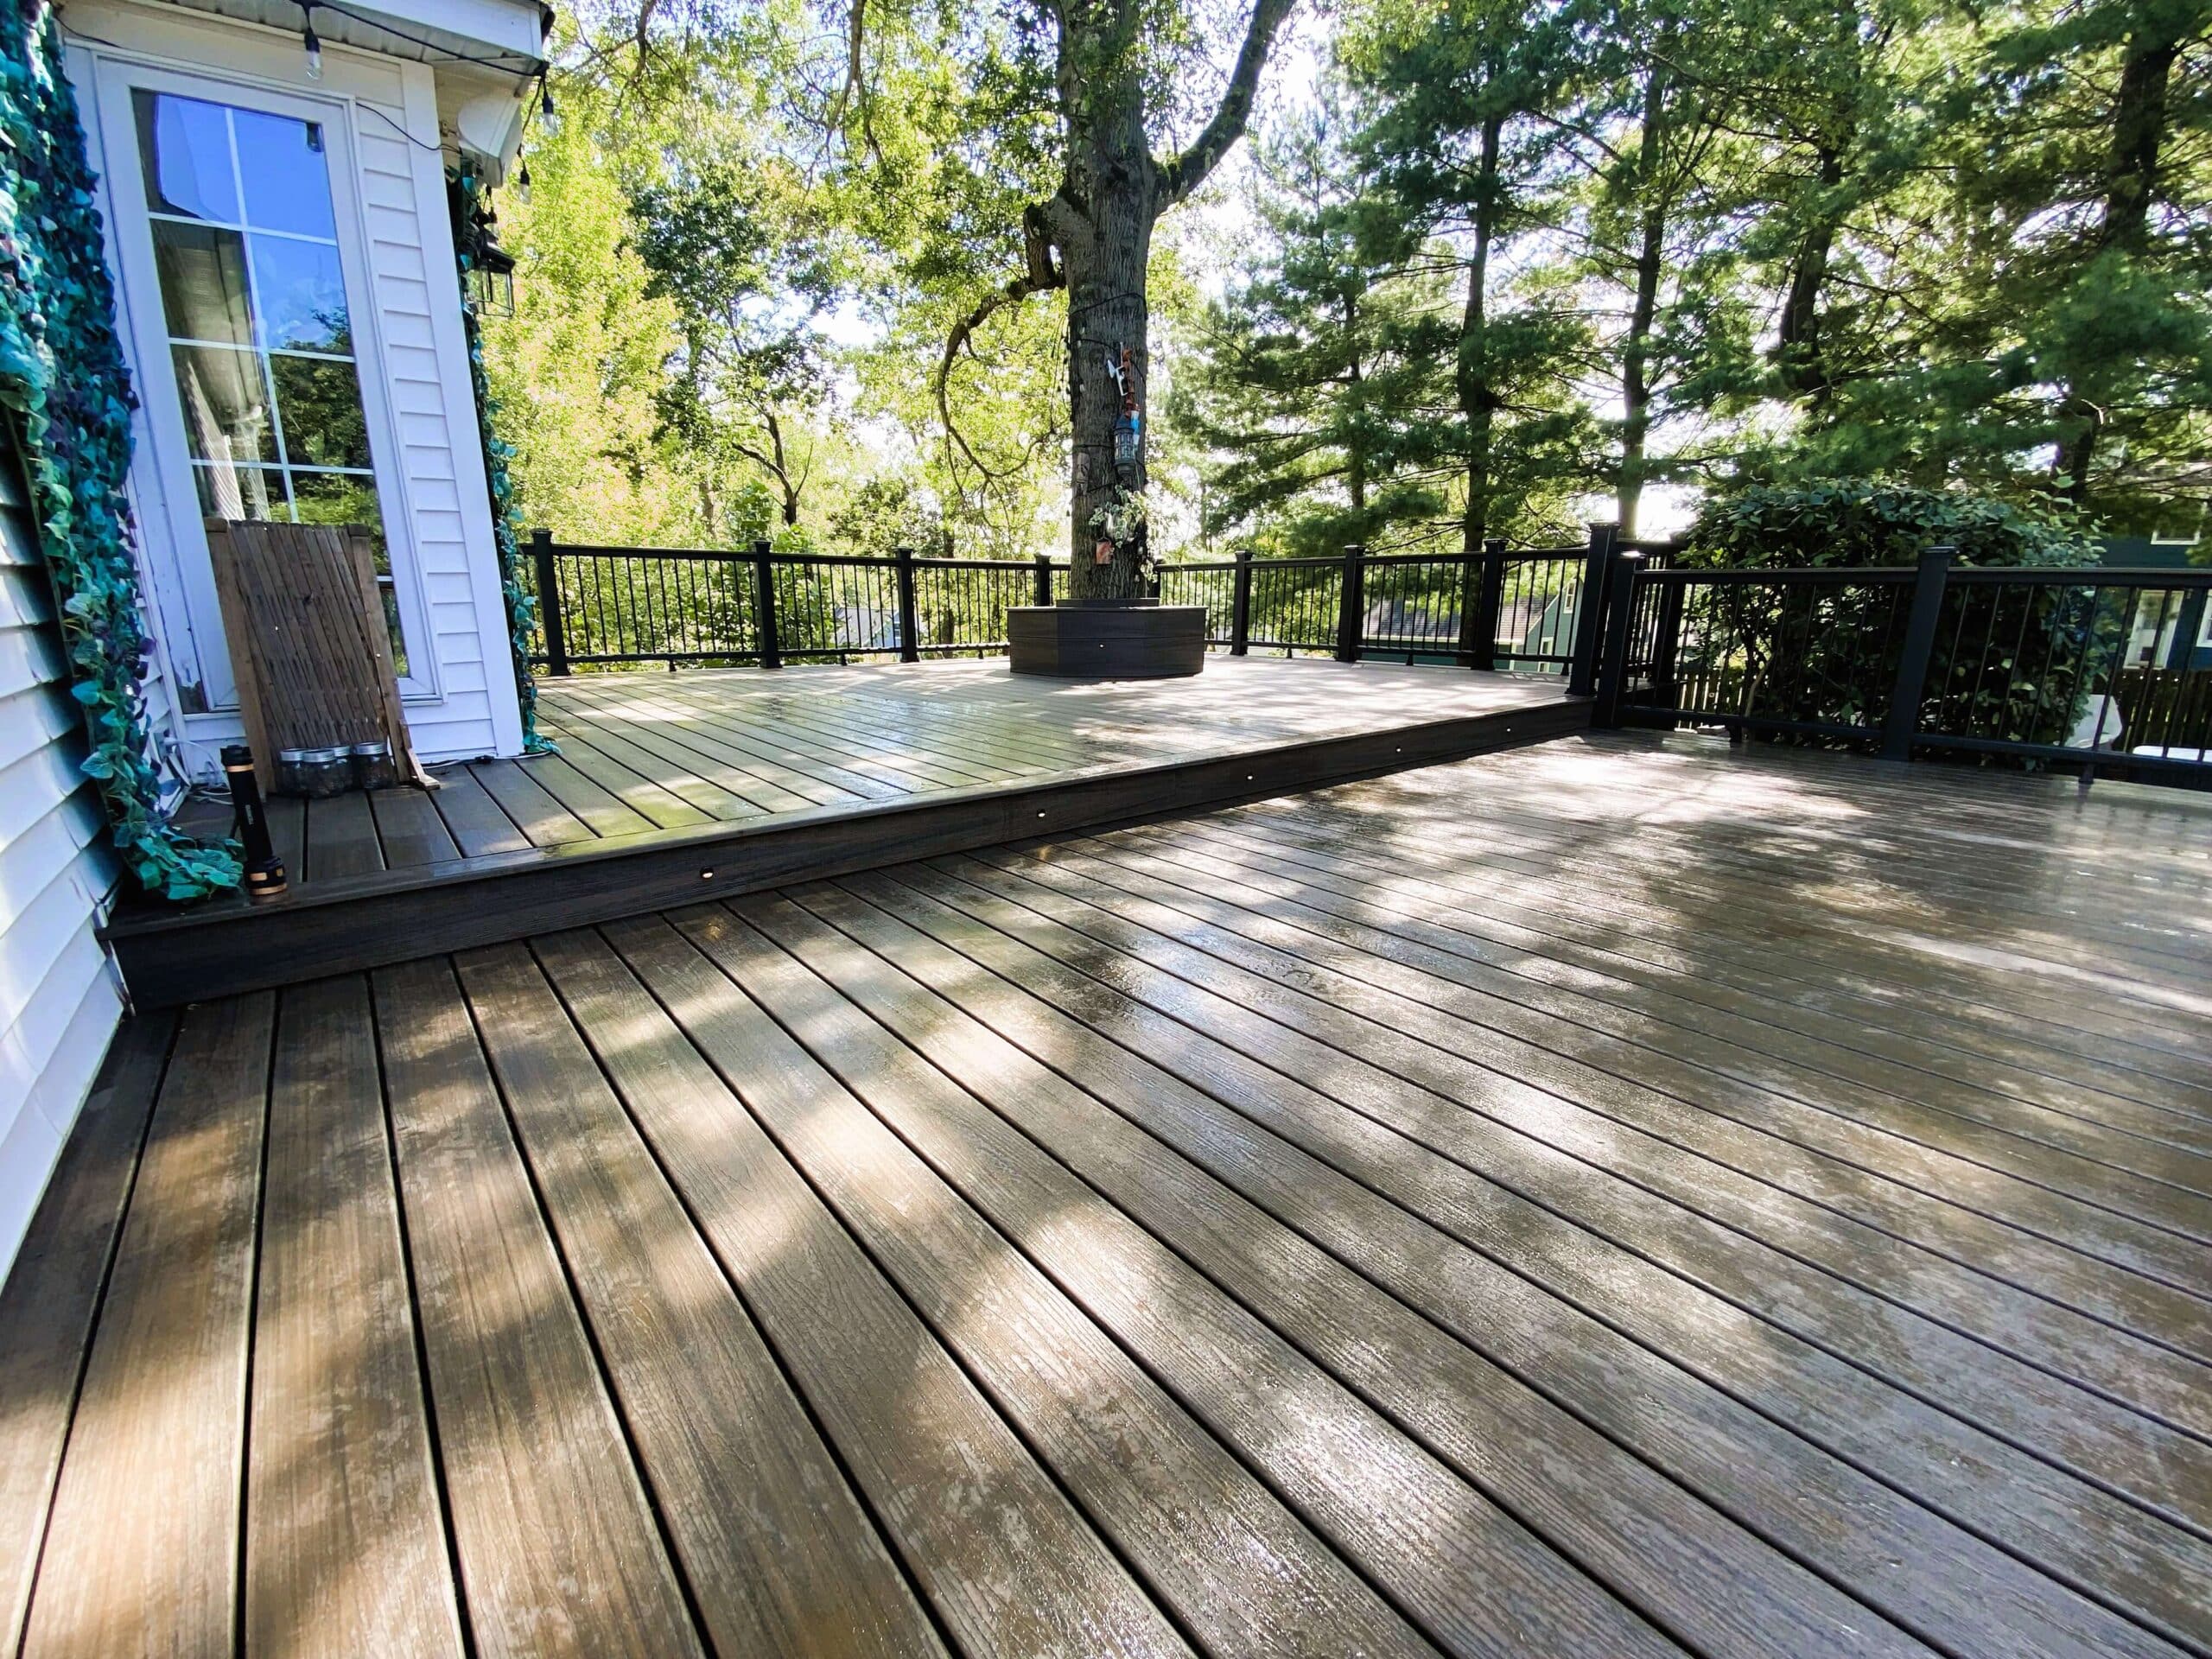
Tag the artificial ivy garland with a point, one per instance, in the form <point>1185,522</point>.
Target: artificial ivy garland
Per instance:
<point>522,604</point>
<point>61,370</point>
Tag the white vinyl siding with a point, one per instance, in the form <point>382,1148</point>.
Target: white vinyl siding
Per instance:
<point>58,1001</point>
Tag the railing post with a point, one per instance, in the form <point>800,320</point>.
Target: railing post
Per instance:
<point>1352,604</point>
<point>1482,597</point>
<point>1903,718</point>
<point>1620,615</point>
<point>1589,610</point>
<point>1040,590</point>
<point>549,602</point>
<point>1240,605</point>
<point>1667,645</point>
<point>910,640</point>
<point>764,608</point>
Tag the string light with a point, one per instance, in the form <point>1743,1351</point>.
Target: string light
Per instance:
<point>548,117</point>
<point>308,40</point>
<point>522,182</point>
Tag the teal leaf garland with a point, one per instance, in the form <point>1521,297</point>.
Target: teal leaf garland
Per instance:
<point>62,373</point>
<point>521,602</point>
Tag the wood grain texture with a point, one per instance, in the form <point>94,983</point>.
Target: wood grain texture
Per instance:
<point>781,1556</point>
<point>559,1552</point>
<point>346,1542</point>
<point>52,1296</point>
<point>1009,1564</point>
<point>142,1551</point>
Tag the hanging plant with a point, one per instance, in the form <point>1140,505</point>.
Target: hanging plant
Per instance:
<point>62,373</point>
<point>471,244</point>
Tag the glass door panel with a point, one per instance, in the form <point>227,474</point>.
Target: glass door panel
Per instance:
<point>254,306</point>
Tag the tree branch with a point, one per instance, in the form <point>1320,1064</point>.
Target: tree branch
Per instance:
<point>1188,171</point>
<point>1040,275</point>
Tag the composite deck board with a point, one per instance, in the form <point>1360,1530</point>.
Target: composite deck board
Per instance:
<point>1697,1573</point>
<point>475,821</point>
<point>883,749</point>
<point>1468,1573</point>
<point>1406,1024</point>
<point>1908,1198</point>
<point>544,820</point>
<point>1009,1563</point>
<point>611,721</point>
<point>801,767</point>
<point>1695,967</point>
<point>1937,1456</point>
<point>559,1552</point>
<point>1637,1203</point>
<point>52,1296</point>
<point>1536,1204</point>
<point>601,811</point>
<point>342,838</point>
<point>410,828</point>
<point>777,1551</point>
<point>141,1553</point>
<point>1769,1024</point>
<point>659,807</point>
<point>1236,1566</point>
<point>337,1393</point>
<point>780,788</point>
<point>1818,1508</point>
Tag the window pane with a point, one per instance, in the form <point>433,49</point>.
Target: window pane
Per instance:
<point>254,492</point>
<point>302,294</point>
<point>225,403</point>
<point>320,403</point>
<point>287,176</point>
<point>184,149</point>
<point>203,283</point>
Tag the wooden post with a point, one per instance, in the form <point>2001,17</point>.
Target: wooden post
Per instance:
<point>764,607</point>
<point>1589,612</point>
<point>1041,593</point>
<point>910,640</point>
<point>1240,605</point>
<point>1919,645</point>
<point>1351,603</point>
<point>1620,615</point>
<point>549,602</point>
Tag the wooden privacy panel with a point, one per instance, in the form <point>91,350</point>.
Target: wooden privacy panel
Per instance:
<point>308,639</point>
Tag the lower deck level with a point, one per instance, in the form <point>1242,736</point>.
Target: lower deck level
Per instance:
<point>1621,1197</point>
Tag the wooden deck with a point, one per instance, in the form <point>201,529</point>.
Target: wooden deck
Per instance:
<point>1613,1197</point>
<point>669,786</point>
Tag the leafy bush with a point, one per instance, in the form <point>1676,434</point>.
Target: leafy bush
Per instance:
<point>2014,663</point>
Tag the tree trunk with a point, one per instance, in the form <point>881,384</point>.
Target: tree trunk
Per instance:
<point>1105,261</point>
<point>1355,446</point>
<point>1635,350</point>
<point>1798,351</point>
<point>2130,177</point>
<point>1477,399</point>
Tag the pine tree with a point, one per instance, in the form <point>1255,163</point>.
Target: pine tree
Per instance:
<point>1301,377</point>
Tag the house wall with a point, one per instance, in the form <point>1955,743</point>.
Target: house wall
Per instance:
<point>58,1001</point>
<point>419,354</point>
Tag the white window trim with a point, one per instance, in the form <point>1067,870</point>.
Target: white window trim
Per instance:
<point>184,582</point>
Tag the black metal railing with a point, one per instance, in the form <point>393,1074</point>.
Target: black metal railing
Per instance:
<point>601,606</point>
<point>1518,609</point>
<point>2087,667</point>
<point>1515,609</point>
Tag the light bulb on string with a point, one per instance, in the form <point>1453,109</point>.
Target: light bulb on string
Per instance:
<point>314,45</point>
<point>548,117</point>
<point>522,182</point>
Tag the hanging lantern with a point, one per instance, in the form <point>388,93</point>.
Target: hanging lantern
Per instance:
<point>492,281</point>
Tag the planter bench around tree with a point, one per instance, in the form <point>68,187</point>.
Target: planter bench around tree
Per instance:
<point>1107,638</point>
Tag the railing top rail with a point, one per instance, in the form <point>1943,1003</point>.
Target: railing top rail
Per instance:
<point>738,555</point>
<point>2082,575</point>
<point>1791,575</point>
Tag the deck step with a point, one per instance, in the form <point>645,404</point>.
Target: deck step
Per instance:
<point>347,924</point>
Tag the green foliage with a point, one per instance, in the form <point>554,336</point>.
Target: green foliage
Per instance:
<point>1850,523</point>
<point>61,370</point>
<point>1830,652</point>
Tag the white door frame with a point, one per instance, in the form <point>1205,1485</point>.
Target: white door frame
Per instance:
<point>176,550</point>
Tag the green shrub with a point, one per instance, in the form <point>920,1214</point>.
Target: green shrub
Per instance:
<point>2014,663</point>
